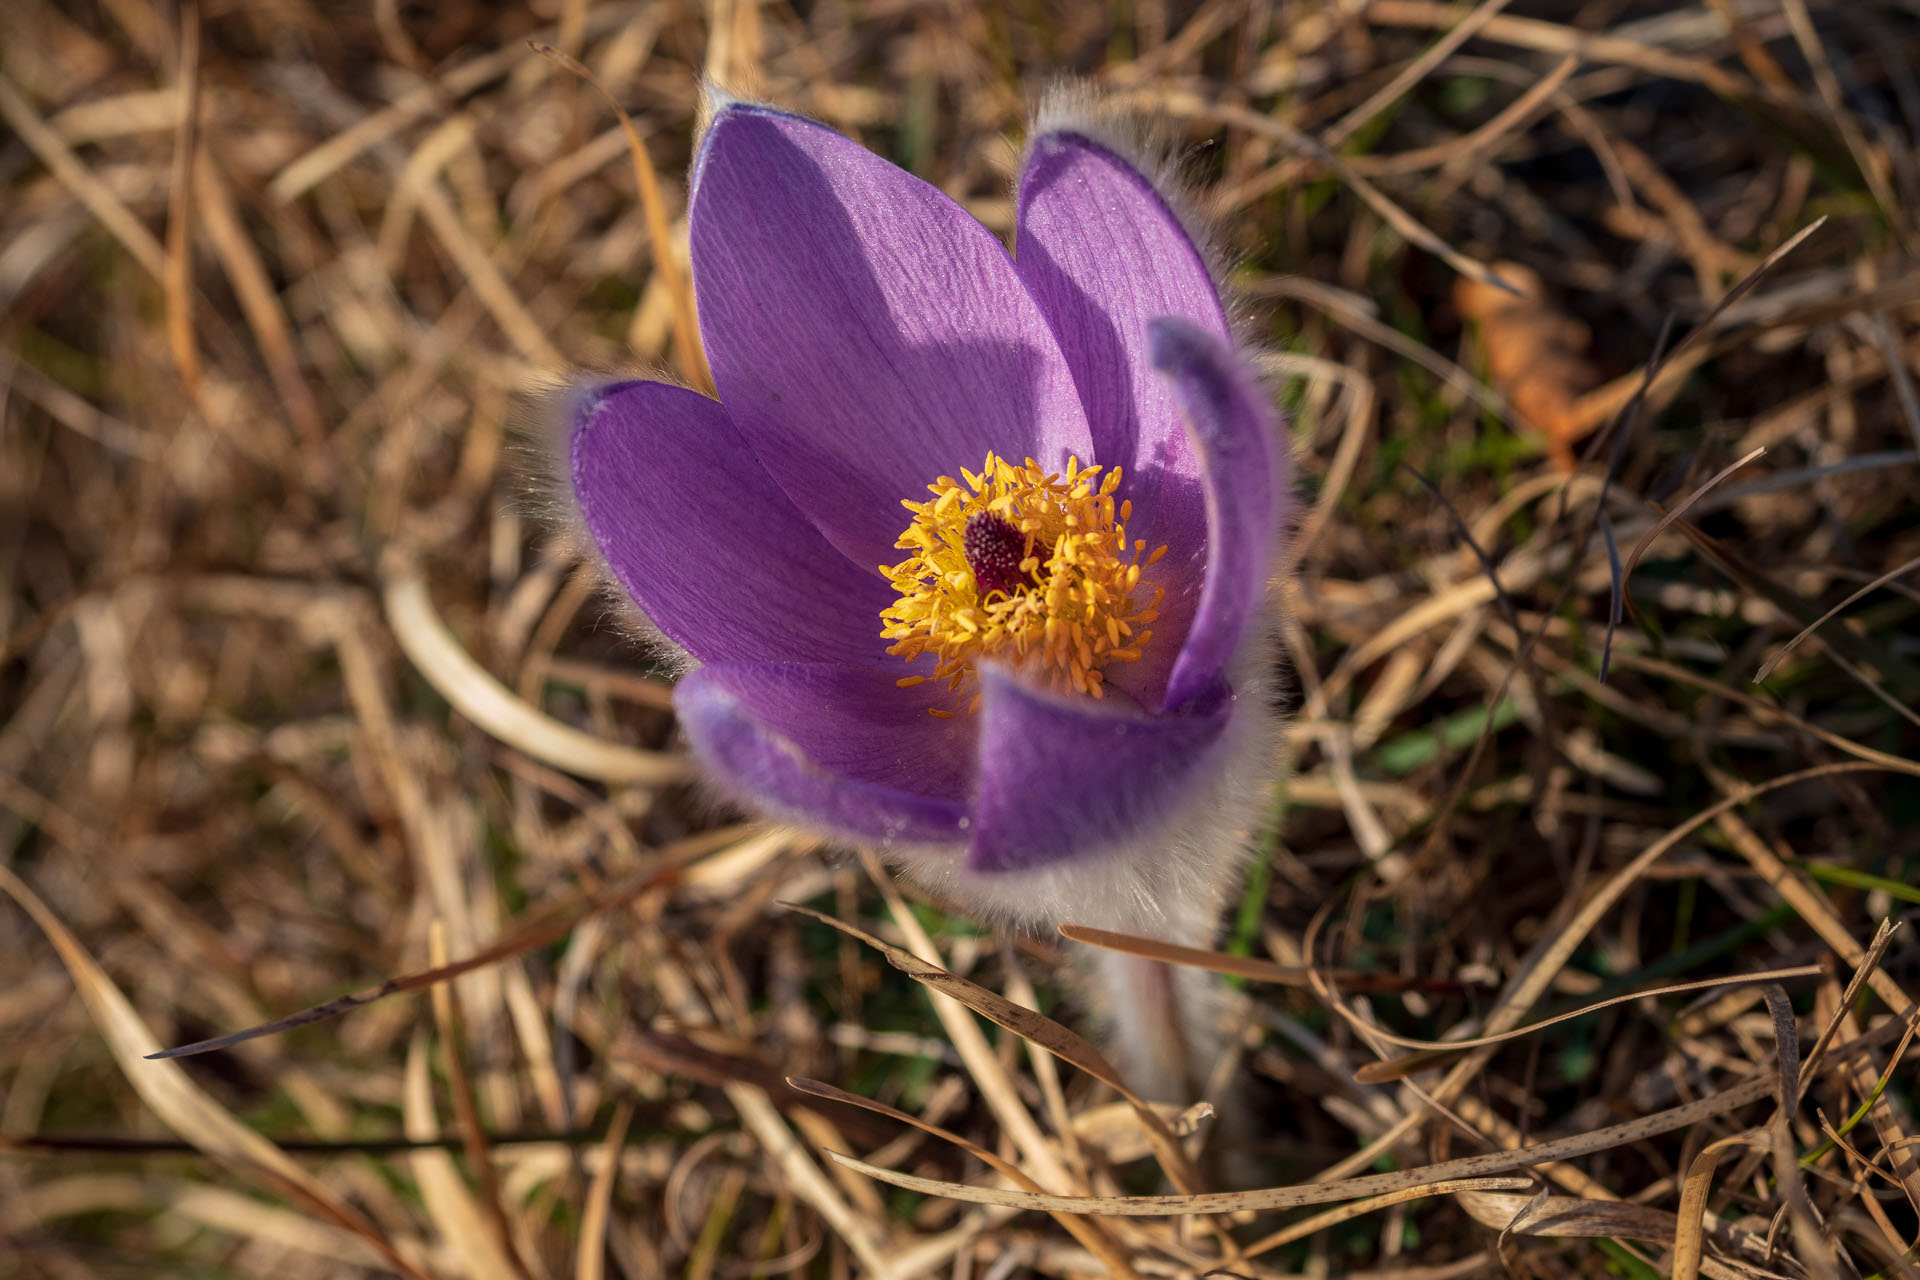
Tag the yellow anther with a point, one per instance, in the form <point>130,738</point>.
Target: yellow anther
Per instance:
<point>1024,566</point>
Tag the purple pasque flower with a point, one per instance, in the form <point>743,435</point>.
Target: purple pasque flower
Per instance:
<point>1043,690</point>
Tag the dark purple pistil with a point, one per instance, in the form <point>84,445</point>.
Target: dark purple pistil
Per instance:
<point>994,551</point>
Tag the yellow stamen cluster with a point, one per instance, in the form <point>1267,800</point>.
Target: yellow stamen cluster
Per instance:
<point>1066,612</point>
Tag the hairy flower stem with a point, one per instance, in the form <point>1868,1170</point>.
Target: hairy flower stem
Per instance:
<point>1151,1027</point>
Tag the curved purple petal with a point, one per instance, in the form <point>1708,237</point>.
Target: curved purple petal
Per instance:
<point>1103,253</point>
<point>865,332</point>
<point>828,746</point>
<point>704,540</point>
<point>1067,777</point>
<point>1236,435</point>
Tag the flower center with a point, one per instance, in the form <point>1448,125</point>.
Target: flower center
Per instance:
<point>995,550</point>
<point>1022,566</point>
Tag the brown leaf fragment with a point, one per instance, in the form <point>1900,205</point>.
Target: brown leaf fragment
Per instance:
<point>1535,355</point>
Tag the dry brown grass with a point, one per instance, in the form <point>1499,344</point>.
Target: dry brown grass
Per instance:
<point>297,694</point>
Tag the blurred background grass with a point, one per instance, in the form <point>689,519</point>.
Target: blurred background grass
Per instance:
<point>298,692</point>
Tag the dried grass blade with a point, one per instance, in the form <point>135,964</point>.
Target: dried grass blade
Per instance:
<point>807,1180</point>
<point>1181,103</point>
<point>1469,149</point>
<point>271,1227</point>
<point>461,1223</point>
<point>1035,1028</point>
<point>1044,1155</point>
<point>1898,571</point>
<point>685,1058</point>
<point>590,1263</point>
<point>1216,1202</point>
<point>1414,72</point>
<point>1867,1106</point>
<point>1668,517</point>
<point>101,202</point>
<point>1564,1217</point>
<point>177,281</point>
<point>1746,285</point>
<point>688,352</point>
<point>1894,1140</point>
<point>1882,939</point>
<point>1664,371</point>
<point>1771,714</point>
<point>449,1025</point>
<point>1872,170</point>
<point>482,271</point>
<point>253,288</point>
<point>1816,1250</point>
<point>1898,371</point>
<point>313,167</point>
<point>1248,967</point>
<point>1553,955</point>
<point>546,926</point>
<point>180,1103</point>
<point>1446,1046</point>
<point>1555,37</point>
<point>1811,905</point>
<point>1346,1213</point>
<point>1088,1231</point>
<point>1690,1227</point>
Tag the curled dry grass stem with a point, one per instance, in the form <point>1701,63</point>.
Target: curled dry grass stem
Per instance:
<point>438,656</point>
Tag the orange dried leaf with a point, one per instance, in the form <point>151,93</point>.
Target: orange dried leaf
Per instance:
<point>1535,355</point>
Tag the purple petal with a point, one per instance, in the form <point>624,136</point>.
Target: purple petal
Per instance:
<point>1243,464</point>
<point>830,747</point>
<point>704,540</point>
<point>865,332</point>
<point>1067,777</point>
<point>1103,254</point>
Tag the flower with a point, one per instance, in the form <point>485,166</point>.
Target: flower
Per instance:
<point>1042,689</point>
